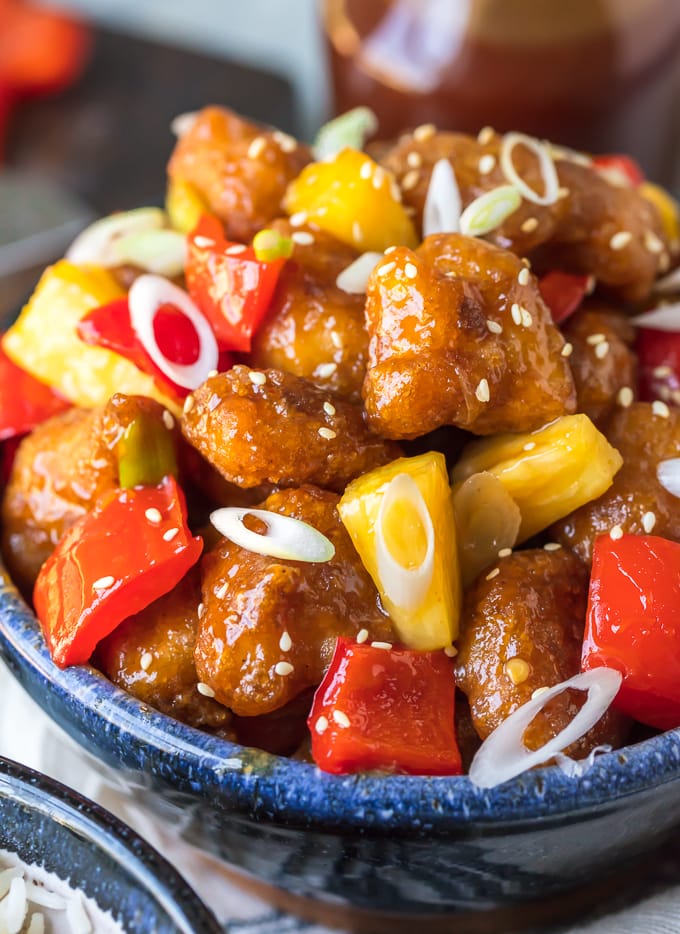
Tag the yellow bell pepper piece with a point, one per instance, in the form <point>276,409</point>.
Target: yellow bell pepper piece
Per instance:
<point>352,198</point>
<point>44,340</point>
<point>668,208</point>
<point>400,518</point>
<point>184,205</point>
<point>548,472</point>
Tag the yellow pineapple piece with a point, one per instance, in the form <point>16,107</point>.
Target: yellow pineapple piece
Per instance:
<point>668,208</point>
<point>400,518</point>
<point>184,205</point>
<point>487,519</point>
<point>548,472</point>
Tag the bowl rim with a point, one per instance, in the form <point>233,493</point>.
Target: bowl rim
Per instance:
<point>54,801</point>
<point>289,792</point>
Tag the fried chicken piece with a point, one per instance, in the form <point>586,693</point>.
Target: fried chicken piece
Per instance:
<point>313,328</point>
<point>636,501</point>
<point>575,233</point>
<point>522,630</point>
<point>59,472</point>
<point>241,169</point>
<point>459,335</point>
<point>602,362</point>
<point>271,427</point>
<point>151,655</point>
<point>270,625</point>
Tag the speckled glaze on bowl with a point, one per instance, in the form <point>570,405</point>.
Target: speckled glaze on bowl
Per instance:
<point>45,823</point>
<point>400,844</point>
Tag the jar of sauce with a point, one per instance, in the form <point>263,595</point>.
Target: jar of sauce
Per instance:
<point>597,75</point>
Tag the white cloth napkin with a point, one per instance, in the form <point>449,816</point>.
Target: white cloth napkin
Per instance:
<point>29,736</point>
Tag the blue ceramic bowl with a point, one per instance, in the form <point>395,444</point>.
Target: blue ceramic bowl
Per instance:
<point>45,823</point>
<point>403,845</point>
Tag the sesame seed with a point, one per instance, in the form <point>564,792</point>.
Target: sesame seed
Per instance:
<point>529,225</point>
<point>424,132</point>
<point>661,409</point>
<point>601,350</point>
<point>145,661</point>
<point>527,320</point>
<point>625,396</point>
<point>539,692</point>
<point>487,164</point>
<point>516,313</point>
<point>257,377</point>
<point>410,180</point>
<point>328,433</point>
<point>336,340</point>
<point>286,143</point>
<point>298,219</point>
<point>103,583</point>
<point>203,242</point>
<point>205,689</point>
<point>485,135</point>
<point>616,532</point>
<point>661,371</point>
<point>620,240</point>
<point>652,242</point>
<point>378,179</point>
<point>411,271</point>
<point>329,408</point>
<point>562,192</point>
<point>341,718</point>
<point>222,590</point>
<point>170,534</point>
<point>188,404</point>
<point>302,237</point>
<point>567,349</point>
<point>285,642</point>
<point>382,645</point>
<point>493,573</point>
<point>505,552</point>
<point>414,159</point>
<point>326,370</point>
<point>366,170</point>
<point>257,147</point>
<point>321,725</point>
<point>482,391</point>
<point>153,515</point>
<point>517,670</point>
<point>523,276</point>
<point>201,610</point>
<point>593,339</point>
<point>648,521</point>
<point>283,669</point>
<point>168,419</point>
<point>494,326</point>
<point>386,268</point>
<point>362,636</point>
<point>100,463</point>
<point>450,651</point>
<point>390,249</point>
<point>212,373</point>
<point>529,446</point>
<point>552,546</point>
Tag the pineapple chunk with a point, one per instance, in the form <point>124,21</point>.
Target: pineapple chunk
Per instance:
<point>184,205</point>
<point>548,472</point>
<point>488,520</point>
<point>400,518</point>
<point>668,208</point>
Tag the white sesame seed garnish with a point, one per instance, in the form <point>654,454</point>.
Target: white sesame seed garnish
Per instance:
<point>485,135</point>
<point>601,350</point>
<point>201,610</point>
<point>285,142</point>
<point>414,159</point>
<point>326,370</point>
<point>494,327</point>
<point>523,276</point>
<point>366,169</point>
<point>321,725</point>
<point>660,372</point>
<point>527,320</point>
<point>539,692</point>
<point>145,661</point>
<point>652,242</point>
<point>625,396</point>
<point>516,313</point>
<point>386,268</point>
<point>336,340</point>
<point>382,645</point>
<point>450,651</point>
<point>285,642</point>
<point>168,419</point>
<point>212,373</point>
<point>410,180</point>
<point>378,179</point>
<point>257,147</point>
<point>620,240</point>
<point>616,532</point>
<point>567,350</point>
<point>529,225</point>
<point>424,132</point>
<point>482,390</point>
<point>390,249</point>
<point>493,573</point>
<point>487,164</point>
<point>222,590</point>
<point>188,404</point>
<point>594,339</point>
<point>103,583</point>
<point>505,552</point>
<point>329,408</point>
<point>257,377</point>
<point>302,237</point>
<point>661,409</point>
<point>341,718</point>
<point>411,271</point>
<point>203,243</point>
<point>153,515</point>
<point>529,446</point>
<point>552,546</point>
<point>205,689</point>
<point>298,219</point>
<point>283,669</point>
<point>328,433</point>
<point>517,670</point>
<point>170,534</point>
<point>648,521</point>
<point>362,636</point>
<point>562,192</point>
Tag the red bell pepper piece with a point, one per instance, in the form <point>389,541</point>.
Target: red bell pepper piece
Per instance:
<point>658,365</point>
<point>111,564</point>
<point>620,168</point>
<point>233,290</point>
<point>24,401</point>
<point>385,709</point>
<point>633,624</point>
<point>563,292</point>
